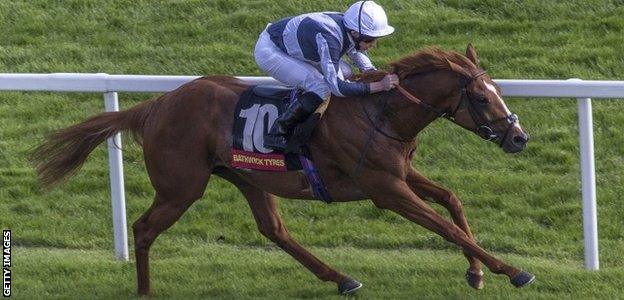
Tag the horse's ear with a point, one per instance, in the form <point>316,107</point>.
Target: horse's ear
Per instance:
<point>471,53</point>
<point>458,69</point>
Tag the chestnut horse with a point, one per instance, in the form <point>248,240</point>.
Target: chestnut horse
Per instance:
<point>362,148</point>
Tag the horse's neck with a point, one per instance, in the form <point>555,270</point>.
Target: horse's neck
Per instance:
<point>388,112</point>
<point>407,118</point>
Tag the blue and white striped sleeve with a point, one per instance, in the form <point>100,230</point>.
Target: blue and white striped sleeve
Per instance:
<point>329,54</point>
<point>361,60</point>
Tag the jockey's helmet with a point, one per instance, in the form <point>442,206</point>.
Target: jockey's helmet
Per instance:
<point>367,18</point>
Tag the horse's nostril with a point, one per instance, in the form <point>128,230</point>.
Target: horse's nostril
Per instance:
<point>519,140</point>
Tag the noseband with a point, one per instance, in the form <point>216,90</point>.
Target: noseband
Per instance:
<point>483,126</point>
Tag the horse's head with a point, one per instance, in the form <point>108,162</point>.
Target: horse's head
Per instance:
<point>474,104</point>
<point>481,109</point>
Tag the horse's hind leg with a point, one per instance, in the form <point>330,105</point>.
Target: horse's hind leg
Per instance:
<point>264,208</point>
<point>425,188</point>
<point>179,180</point>
<point>161,215</point>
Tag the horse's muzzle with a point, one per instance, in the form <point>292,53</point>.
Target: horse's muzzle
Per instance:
<point>516,141</point>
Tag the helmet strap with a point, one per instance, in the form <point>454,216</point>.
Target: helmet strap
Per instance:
<point>360,17</point>
<point>358,39</point>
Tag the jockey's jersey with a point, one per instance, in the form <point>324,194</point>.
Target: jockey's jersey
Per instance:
<point>321,39</point>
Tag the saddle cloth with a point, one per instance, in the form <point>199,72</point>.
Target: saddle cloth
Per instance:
<point>256,111</point>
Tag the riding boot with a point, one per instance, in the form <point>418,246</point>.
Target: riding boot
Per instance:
<point>297,111</point>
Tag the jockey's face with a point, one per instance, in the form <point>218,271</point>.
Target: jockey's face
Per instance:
<point>367,44</point>
<point>363,43</point>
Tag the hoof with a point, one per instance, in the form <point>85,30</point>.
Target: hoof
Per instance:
<point>349,286</point>
<point>522,279</point>
<point>475,280</point>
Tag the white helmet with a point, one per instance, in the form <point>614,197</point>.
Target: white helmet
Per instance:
<point>367,18</point>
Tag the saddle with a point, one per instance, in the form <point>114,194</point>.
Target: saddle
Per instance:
<point>272,91</point>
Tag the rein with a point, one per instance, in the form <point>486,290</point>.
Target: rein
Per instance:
<point>483,127</point>
<point>421,103</point>
<point>424,105</point>
<point>434,109</point>
<point>379,118</point>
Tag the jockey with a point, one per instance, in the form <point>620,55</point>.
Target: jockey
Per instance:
<point>305,51</point>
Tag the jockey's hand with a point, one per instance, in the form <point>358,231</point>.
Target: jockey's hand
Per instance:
<point>389,82</point>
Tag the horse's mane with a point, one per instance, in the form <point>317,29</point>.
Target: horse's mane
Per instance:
<point>428,59</point>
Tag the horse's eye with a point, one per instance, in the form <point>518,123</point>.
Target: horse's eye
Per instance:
<point>481,99</point>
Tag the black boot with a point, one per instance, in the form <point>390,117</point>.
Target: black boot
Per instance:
<point>296,112</point>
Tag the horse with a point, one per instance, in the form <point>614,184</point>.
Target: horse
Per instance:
<point>362,146</point>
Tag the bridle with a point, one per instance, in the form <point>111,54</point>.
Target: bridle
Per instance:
<point>483,126</point>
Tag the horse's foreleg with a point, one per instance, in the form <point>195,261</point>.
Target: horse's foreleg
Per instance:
<point>264,208</point>
<point>425,188</point>
<point>400,199</point>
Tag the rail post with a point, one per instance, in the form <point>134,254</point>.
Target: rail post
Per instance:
<point>118,198</point>
<point>588,182</point>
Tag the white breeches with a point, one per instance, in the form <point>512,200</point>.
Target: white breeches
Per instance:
<point>291,71</point>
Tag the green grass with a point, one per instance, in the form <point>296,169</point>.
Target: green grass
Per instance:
<point>218,270</point>
<point>526,208</point>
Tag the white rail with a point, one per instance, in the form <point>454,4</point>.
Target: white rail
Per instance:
<point>100,82</point>
<point>111,84</point>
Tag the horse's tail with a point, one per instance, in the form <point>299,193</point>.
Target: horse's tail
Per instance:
<point>64,151</point>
